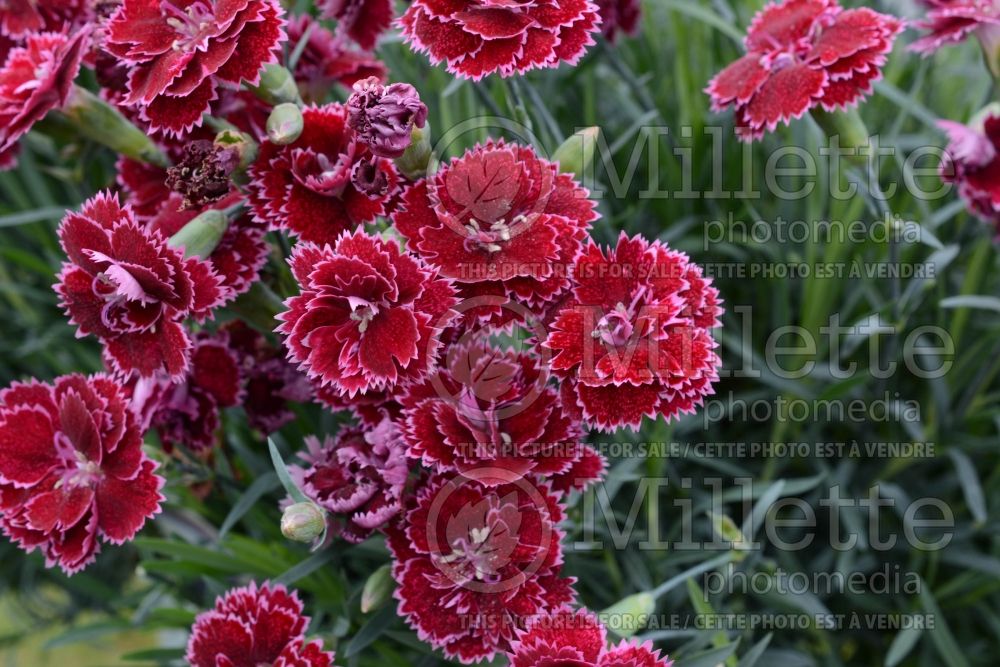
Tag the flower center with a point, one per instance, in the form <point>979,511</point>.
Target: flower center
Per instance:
<point>192,24</point>
<point>616,328</point>
<point>476,552</point>
<point>491,238</point>
<point>86,473</point>
<point>363,312</point>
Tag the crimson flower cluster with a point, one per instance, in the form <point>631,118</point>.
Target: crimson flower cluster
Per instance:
<point>405,291</point>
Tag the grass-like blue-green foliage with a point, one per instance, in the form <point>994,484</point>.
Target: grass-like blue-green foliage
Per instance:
<point>654,79</point>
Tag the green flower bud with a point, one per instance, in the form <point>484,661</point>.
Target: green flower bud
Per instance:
<point>200,237</point>
<point>284,125</point>
<point>98,121</point>
<point>277,85</point>
<point>303,522</point>
<point>629,615</point>
<point>377,589</point>
<point>242,142</point>
<point>414,162</point>
<point>577,153</point>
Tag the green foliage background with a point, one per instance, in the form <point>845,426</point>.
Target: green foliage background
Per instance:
<point>220,525</point>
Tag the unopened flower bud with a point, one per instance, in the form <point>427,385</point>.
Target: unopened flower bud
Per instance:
<point>416,159</point>
<point>241,142</point>
<point>98,121</point>
<point>284,125</point>
<point>629,615</point>
<point>577,153</point>
<point>377,589</point>
<point>303,522</point>
<point>277,86</point>
<point>201,236</point>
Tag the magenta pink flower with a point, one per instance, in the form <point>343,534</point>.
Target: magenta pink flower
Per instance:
<point>473,563</point>
<point>325,183</point>
<point>185,412</point>
<point>358,477</point>
<point>270,381</point>
<point>384,116</point>
<point>20,18</point>
<point>326,60</point>
<point>803,54</point>
<point>475,38</point>
<point>619,17</point>
<point>180,51</point>
<point>254,626</point>
<point>72,469</point>
<point>565,637</point>
<point>635,340</point>
<point>35,79</point>
<point>363,21</point>
<point>972,162</point>
<point>368,316</point>
<point>952,21</point>
<point>124,284</point>
<point>499,221</point>
<point>487,409</point>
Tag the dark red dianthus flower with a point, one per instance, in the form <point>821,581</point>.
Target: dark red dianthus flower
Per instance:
<point>972,162</point>
<point>324,183</point>
<point>72,469</point>
<point>358,477</point>
<point>185,412</point>
<point>475,38</point>
<point>619,17</point>
<point>368,316</point>
<point>499,221</point>
<point>126,285</point>
<point>363,21</point>
<point>473,563</point>
<point>19,18</point>
<point>636,338</point>
<point>952,21</point>
<point>326,60</point>
<point>488,408</point>
<point>565,637</point>
<point>803,54</point>
<point>254,626</point>
<point>35,79</point>
<point>179,52</point>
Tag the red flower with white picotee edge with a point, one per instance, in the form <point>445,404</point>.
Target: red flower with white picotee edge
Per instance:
<point>473,563</point>
<point>327,60</point>
<point>72,469</point>
<point>475,38</point>
<point>323,184</point>
<point>802,55</point>
<point>253,626</point>
<point>368,316</point>
<point>20,18</point>
<point>179,52</point>
<point>635,340</point>
<point>952,21</point>
<point>489,408</point>
<point>126,285</point>
<point>37,78</point>
<point>363,21</point>
<point>972,162</point>
<point>498,220</point>
<point>185,412</point>
<point>565,637</point>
